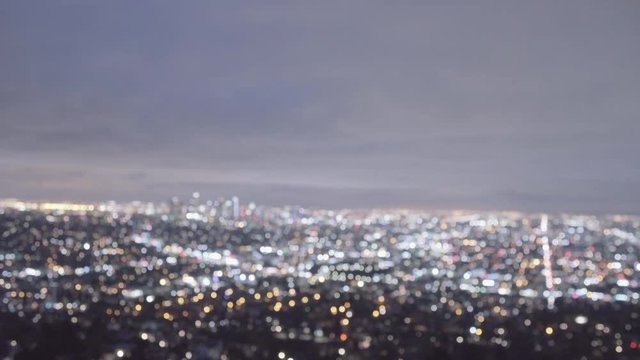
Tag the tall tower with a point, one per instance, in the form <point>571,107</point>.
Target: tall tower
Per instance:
<point>236,207</point>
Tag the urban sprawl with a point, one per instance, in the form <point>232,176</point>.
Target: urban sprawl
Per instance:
<point>222,279</point>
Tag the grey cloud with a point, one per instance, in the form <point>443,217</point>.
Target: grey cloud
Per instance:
<point>475,105</point>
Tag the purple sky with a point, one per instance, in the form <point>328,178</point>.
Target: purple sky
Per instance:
<point>531,105</point>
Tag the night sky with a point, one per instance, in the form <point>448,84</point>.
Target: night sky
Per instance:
<point>530,105</point>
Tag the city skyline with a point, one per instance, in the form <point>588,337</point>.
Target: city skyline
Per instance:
<point>497,106</point>
<point>222,201</point>
<point>199,280</point>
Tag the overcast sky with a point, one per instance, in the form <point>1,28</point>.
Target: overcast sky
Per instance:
<point>531,105</point>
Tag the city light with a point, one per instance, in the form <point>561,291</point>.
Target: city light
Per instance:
<point>333,280</point>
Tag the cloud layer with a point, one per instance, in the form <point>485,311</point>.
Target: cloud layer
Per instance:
<point>495,105</point>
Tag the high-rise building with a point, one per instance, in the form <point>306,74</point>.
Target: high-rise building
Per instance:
<point>236,207</point>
